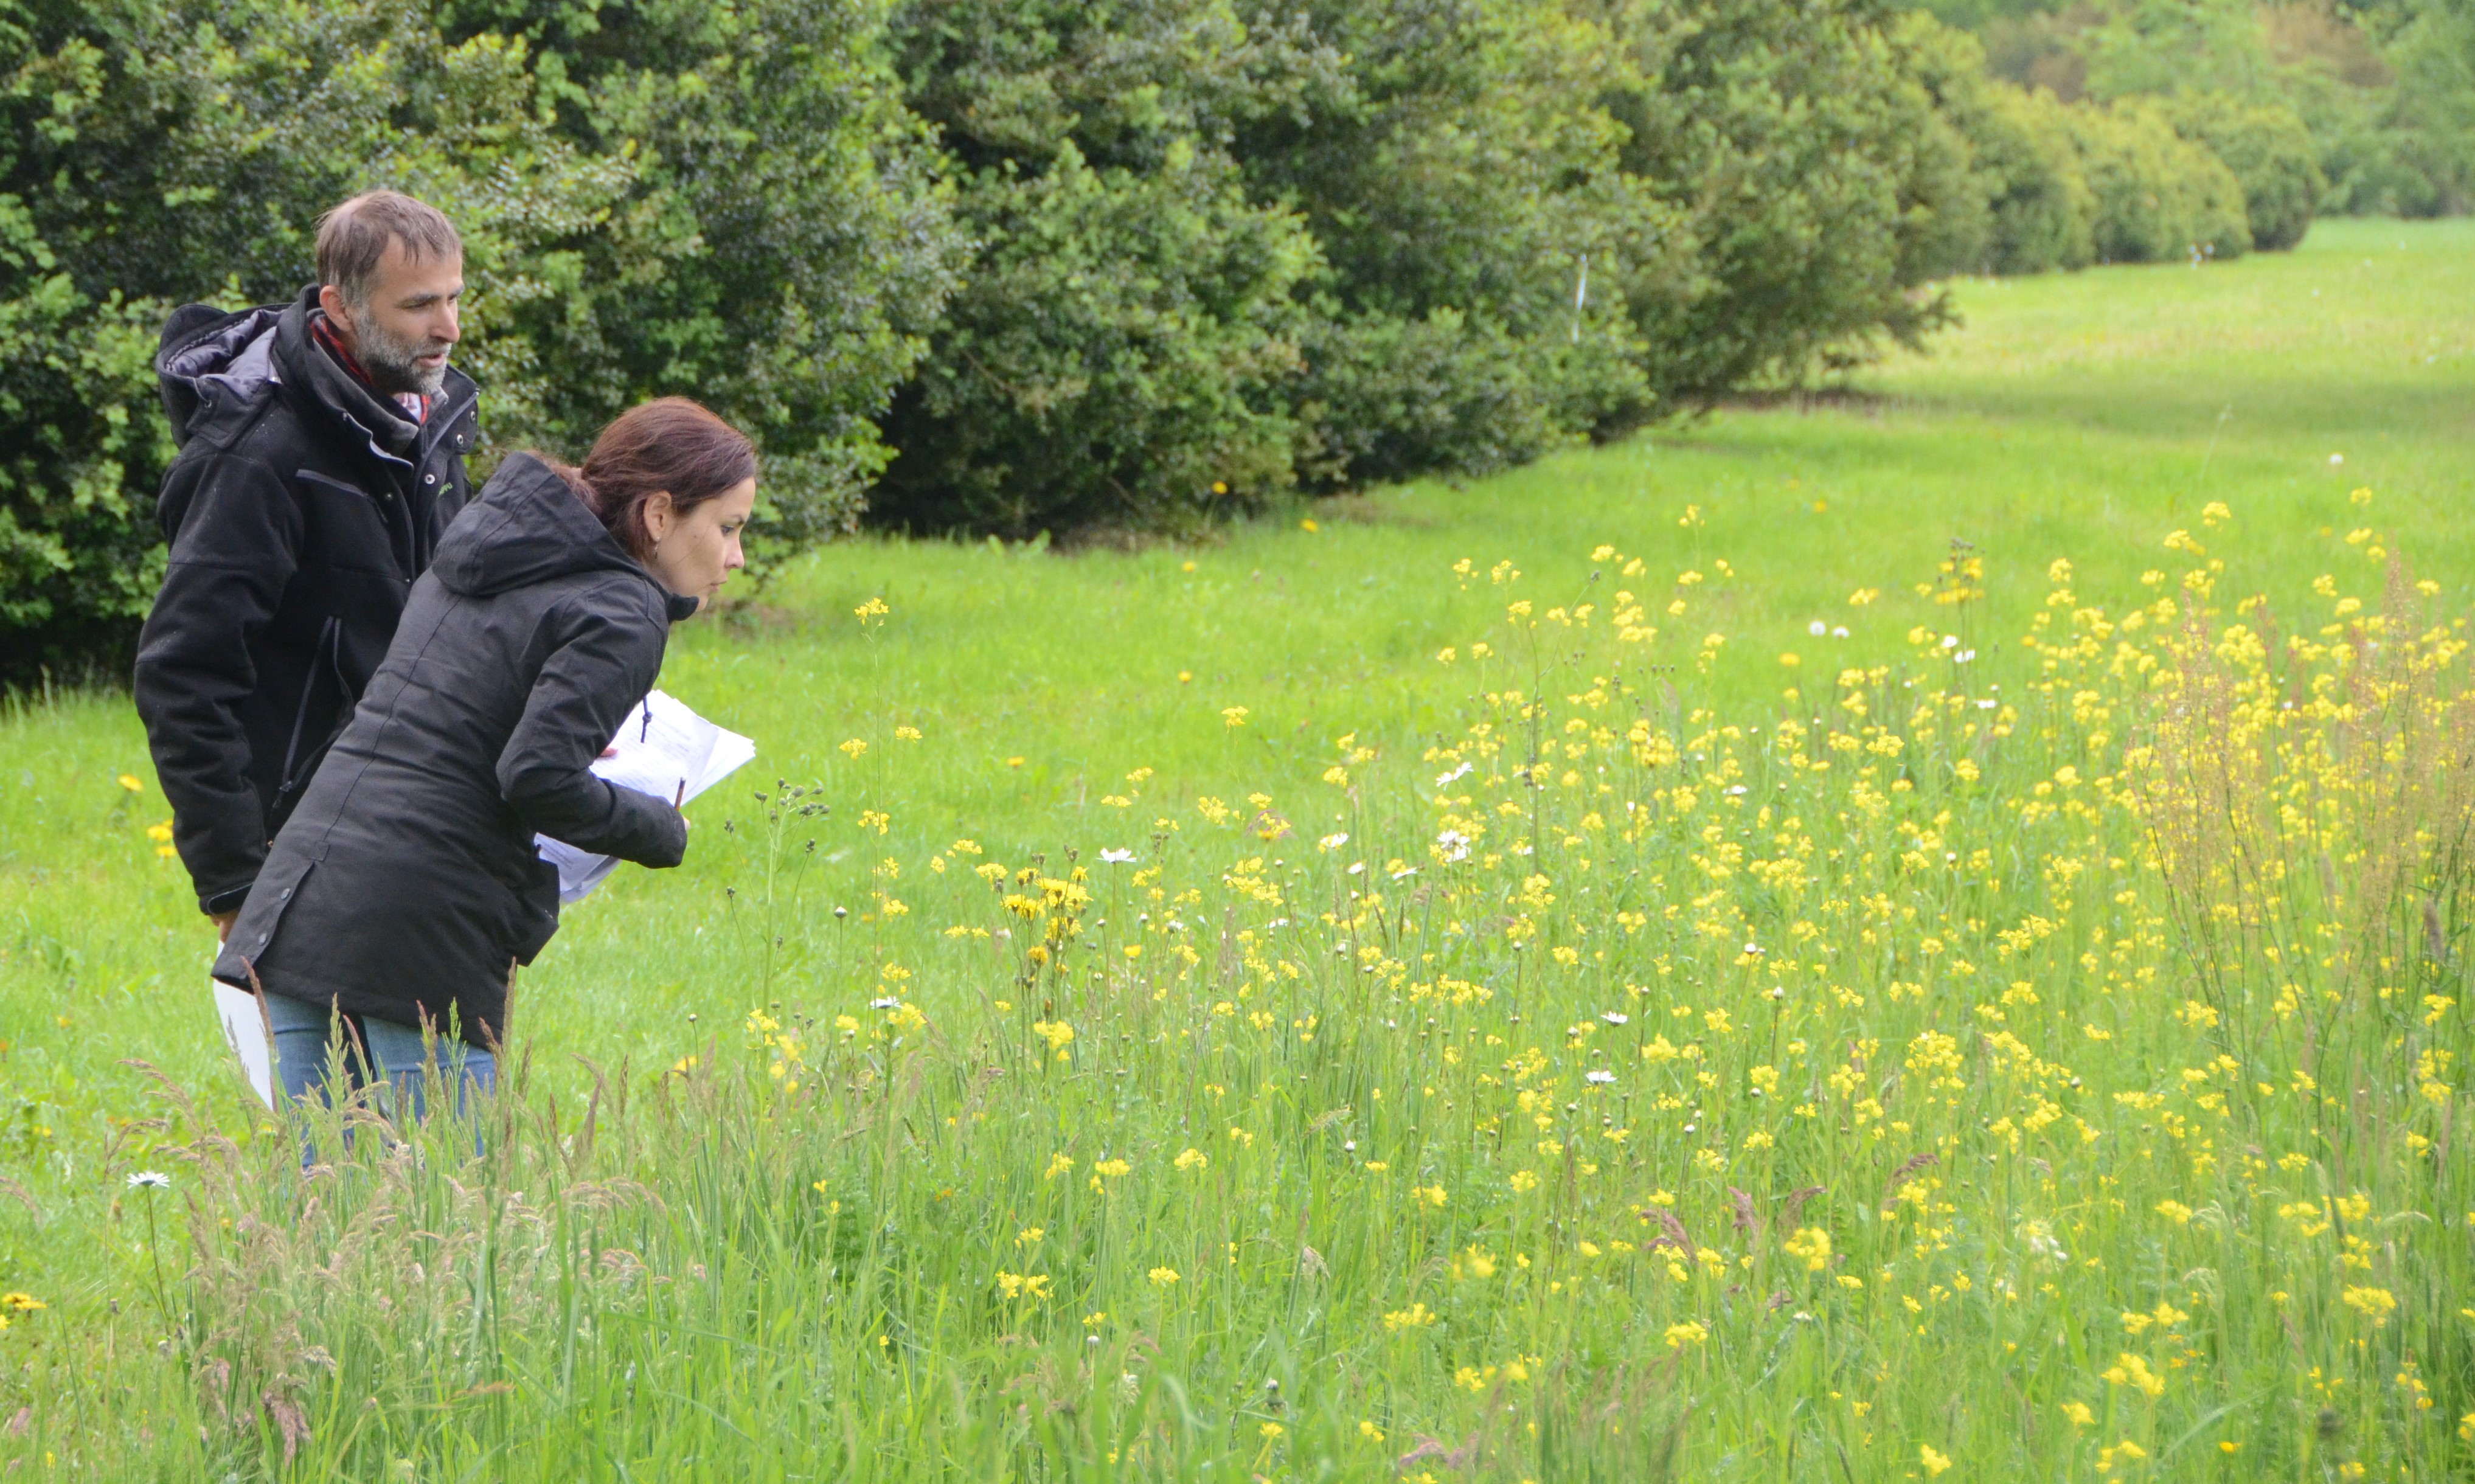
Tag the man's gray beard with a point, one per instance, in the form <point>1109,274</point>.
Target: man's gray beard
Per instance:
<point>392,363</point>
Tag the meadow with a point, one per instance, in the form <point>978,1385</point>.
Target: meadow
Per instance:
<point>1917,932</point>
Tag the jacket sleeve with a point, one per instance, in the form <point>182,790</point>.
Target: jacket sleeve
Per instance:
<point>234,541</point>
<point>608,650</point>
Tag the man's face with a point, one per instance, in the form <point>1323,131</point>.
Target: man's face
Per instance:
<point>401,333</point>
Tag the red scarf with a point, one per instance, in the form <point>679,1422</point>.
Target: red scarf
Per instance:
<point>415,405</point>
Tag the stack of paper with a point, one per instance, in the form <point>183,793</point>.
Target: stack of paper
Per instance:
<point>243,1016</point>
<point>663,749</point>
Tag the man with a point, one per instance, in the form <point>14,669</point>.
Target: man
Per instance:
<point>322,450</point>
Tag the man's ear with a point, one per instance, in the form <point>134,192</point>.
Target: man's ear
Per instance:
<point>340,313</point>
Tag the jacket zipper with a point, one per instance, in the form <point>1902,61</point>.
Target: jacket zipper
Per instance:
<point>327,641</point>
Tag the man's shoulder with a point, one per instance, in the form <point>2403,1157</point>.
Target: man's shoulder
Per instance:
<point>267,425</point>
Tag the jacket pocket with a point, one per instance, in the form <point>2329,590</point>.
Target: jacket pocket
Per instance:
<point>351,529</point>
<point>303,753</point>
<point>529,917</point>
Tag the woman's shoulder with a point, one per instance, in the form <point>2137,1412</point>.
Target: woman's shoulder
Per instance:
<point>630,603</point>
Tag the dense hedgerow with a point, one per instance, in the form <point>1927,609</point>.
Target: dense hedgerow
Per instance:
<point>1016,269</point>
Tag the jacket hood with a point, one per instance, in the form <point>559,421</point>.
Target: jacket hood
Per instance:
<point>527,526</point>
<point>208,350</point>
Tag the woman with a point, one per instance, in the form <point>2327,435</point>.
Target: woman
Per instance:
<point>403,891</point>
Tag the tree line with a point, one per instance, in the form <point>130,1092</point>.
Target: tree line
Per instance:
<point>1049,265</point>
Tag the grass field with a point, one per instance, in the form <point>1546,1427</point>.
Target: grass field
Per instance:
<point>2016,1038</point>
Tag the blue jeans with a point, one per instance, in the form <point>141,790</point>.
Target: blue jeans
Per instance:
<point>372,1049</point>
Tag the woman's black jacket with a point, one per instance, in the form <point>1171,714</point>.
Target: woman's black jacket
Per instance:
<point>406,885</point>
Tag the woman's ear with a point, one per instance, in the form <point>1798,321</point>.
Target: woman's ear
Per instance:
<point>659,514</point>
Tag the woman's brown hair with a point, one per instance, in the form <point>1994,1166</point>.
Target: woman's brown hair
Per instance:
<point>669,444</point>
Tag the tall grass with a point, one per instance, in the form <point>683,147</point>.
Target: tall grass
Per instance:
<point>2046,1070</point>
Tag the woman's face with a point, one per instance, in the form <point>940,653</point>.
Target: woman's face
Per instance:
<point>696,551</point>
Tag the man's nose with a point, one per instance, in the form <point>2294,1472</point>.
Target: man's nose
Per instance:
<point>449,325</point>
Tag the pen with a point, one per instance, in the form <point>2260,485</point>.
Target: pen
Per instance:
<point>646,730</point>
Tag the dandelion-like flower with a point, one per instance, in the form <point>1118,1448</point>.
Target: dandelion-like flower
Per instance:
<point>1453,845</point>
<point>1817,628</point>
<point>150,1180</point>
<point>1333,842</point>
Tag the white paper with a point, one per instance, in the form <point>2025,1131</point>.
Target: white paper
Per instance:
<point>661,750</point>
<point>245,1030</point>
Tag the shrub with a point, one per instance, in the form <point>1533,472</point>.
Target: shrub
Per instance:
<point>2026,166</point>
<point>1946,206</point>
<point>2158,196</point>
<point>1787,139</point>
<point>2432,111</point>
<point>1114,358</point>
<point>1119,349</point>
<point>1387,395</point>
<point>2043,211</point>
<point>2270,153</point>
<point>1464,185</point>
<point>780,254</point>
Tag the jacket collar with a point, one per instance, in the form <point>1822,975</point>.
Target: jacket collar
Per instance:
<point>391,437</point>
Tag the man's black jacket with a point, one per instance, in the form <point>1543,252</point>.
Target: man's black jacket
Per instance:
<point>407,884</point>
<point>300,509</point>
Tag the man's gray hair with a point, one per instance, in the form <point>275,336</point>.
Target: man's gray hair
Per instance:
<point>355,236</point>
